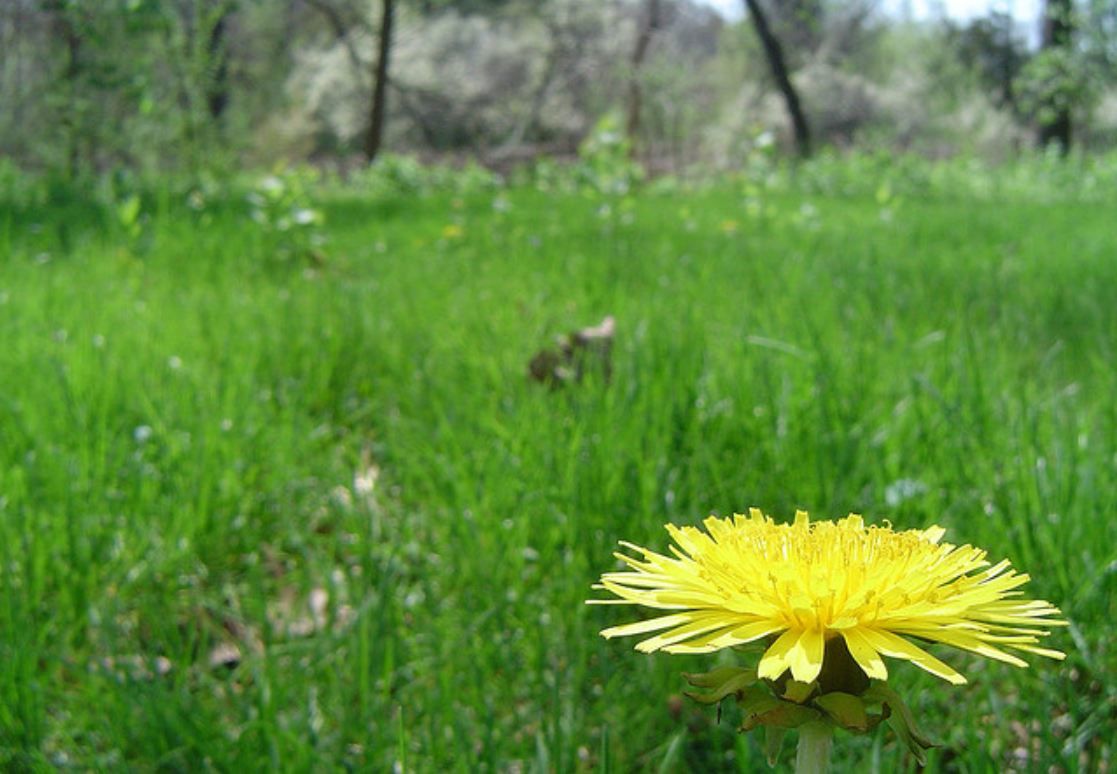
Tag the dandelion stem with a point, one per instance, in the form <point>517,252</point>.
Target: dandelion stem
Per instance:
<point>813,755</point>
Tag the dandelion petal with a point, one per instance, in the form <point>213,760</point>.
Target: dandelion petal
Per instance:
<point>897,647</point>
<point>865,654</point>
<point>737,580</point>
<point>774,662</point>
<point>805,657</point>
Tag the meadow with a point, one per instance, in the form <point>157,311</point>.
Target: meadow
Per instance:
<point>277,493</point>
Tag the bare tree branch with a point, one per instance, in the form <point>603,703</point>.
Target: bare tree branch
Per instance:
<point>341,28</point>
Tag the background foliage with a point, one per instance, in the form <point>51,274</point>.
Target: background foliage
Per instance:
<point>183,84</point>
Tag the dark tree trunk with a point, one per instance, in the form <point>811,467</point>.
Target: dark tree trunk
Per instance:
<point>648,29</point>
<point>217,89</point>
<point>64,27</point>
<point>1055,125</point>
<point>774,53</point>
<point>73,71</point>
<point>375,134</point>
<point>340,27</point>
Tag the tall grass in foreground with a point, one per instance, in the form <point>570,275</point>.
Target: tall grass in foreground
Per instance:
<point>264,511</point>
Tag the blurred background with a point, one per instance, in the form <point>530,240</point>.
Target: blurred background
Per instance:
<point>154,85</point>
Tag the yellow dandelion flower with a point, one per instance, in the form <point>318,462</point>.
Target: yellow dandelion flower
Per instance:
<point>802,585</point>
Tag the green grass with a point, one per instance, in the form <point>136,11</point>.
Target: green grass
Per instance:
<point>184,410</point>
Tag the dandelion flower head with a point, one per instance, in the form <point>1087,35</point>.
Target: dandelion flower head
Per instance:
<point>799,586</point>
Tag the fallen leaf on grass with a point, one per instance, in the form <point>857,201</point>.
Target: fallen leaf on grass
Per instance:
<point>576,354</point>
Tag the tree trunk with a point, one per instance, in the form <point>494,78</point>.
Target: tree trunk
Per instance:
<point>375,134</point>
<point>774,53</point>
<point>1055,125</point>
<point>64,27</point>
<point>648,29</point>
<point>217,86</point>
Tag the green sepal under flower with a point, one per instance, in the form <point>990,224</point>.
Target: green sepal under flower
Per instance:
<point>773,742</point>
<point>720,682</point>
<point>762,708</point>
<point>780,705</point>
<point>848,712</point>
<point>900,719</point>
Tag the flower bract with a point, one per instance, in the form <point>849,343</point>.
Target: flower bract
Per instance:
<point>797,586</point>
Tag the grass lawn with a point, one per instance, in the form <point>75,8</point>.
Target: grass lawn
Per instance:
<point>264,511</point>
